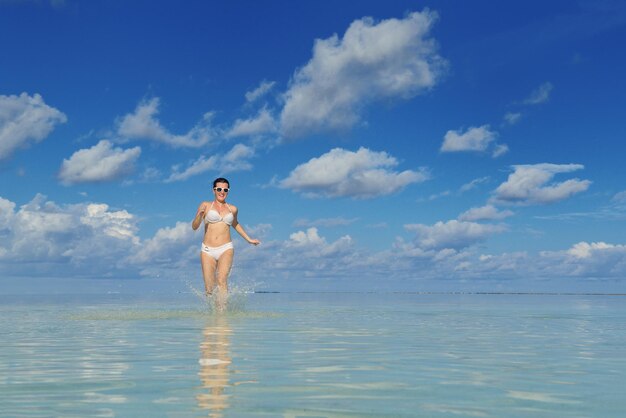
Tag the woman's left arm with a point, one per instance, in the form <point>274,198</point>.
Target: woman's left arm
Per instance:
<point>241,231</point>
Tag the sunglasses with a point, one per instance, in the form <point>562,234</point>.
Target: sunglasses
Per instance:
<point>219,189</point>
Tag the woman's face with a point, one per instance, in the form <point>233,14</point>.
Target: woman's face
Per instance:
<point>221,191</point>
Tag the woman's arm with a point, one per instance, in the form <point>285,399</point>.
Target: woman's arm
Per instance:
<point>241,231</point>
<point>199,215</point>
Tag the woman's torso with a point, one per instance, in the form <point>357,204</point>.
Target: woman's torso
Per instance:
<point>217,225</point>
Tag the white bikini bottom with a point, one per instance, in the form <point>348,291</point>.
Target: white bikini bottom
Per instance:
<point>216,252</point>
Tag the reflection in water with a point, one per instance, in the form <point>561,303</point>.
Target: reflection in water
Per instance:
<point>215,366</point>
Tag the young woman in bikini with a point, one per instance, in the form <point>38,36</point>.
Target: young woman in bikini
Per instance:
<point>217,250</point>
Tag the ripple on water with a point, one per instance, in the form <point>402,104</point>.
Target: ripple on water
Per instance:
<point>143,315</point>
<point>310,359</point>
<point>539,397</point>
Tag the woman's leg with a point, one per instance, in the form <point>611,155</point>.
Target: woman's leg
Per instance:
<point>224,264</point>
<point>208,271</point>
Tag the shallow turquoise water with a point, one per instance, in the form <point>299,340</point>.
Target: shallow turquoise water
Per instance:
<point>314,355</point>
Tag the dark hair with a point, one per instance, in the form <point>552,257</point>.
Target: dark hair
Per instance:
<point>220,180</point>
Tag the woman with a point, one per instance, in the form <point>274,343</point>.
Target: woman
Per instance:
<point>217,250</point>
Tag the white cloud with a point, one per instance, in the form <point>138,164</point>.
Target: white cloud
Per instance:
<point>262,123</point>
<point>142,124</point>
<point>118,224</point>
<point>314,245</point>
<point>309,244</point>
<point>487,212</point>
<point>308,238</point>
<point>586,250</point>
<point>99,163</point>
<point>473,184</point>
<point>452,234</point>
<point>434,196</point>
<point>237,159</point>
<point>167,245</point>
<point>6,213</point>
<point>585,261</point>
<point>43,238</point>
<point>360,174</point>
<point>619,197</point>
<point>373,61</point>
<point>512,118</point>
<point>259,231</point>
<point>528,184</point>
<point>150,174</point>
<point>48,240</point>
<point>25,119</point>
<point>234,160</point>
<point>262,90</point>
<point>199,166</point>
<point>500,150</point>
<point>615,210</point>
<point>304,254</point>
<point>474,139</point>
<point>324,222</point>
<point>588,260</point>
<point>540,95</point>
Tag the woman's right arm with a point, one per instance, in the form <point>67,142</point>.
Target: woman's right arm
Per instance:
<point>199,215</point>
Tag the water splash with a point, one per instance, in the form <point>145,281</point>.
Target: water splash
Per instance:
<point>219,303</point>
<point>201,306</point>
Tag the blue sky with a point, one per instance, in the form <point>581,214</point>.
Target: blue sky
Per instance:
<point>370,145</point>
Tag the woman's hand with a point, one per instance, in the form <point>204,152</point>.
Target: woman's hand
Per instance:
<point>254,241</point>
<point>202,209</point>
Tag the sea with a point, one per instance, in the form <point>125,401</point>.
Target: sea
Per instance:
<point>313,354</point>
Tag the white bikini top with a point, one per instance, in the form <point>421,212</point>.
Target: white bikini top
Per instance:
<point>213,216</point>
